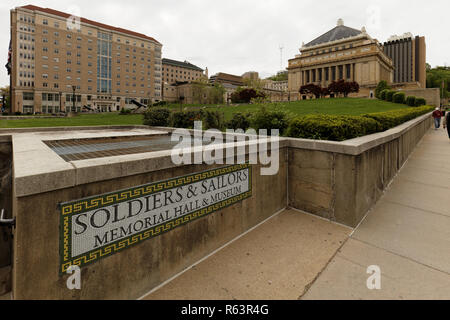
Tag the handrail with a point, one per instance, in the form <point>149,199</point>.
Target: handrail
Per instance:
<point>6,222</point>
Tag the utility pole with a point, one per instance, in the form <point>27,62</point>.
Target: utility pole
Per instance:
<point>281,57</point>
<point>73,99</point>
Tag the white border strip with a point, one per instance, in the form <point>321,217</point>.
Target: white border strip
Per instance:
<point>321,218</point>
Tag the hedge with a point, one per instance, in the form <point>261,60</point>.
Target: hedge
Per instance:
<point>157,117</point>
<point>383,94</point>
<point>411,101</point>
<point>398,97</point>
<point>269,119</point>
<point>420,102</point>
<point>390,119</point>
<point>331,127</point>
<point>390,95</point>
<point>339,128</point>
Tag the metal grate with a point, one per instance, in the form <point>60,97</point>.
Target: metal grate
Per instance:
<point>73,150</point>
<point>82,149</point>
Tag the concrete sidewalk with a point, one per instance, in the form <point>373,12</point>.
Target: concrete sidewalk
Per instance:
<point>407,234</point>
<point>277,260</point>
<point>295,255</point>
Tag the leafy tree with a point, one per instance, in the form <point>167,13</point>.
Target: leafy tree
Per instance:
<point>311,89</point>
<point>4,94</point>
<point>343,87</point>
<point>382,85</point>
<point>245,95</point>
<point>281,76</point>
<point>436,76</point>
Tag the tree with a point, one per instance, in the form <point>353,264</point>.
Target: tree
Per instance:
<point>216,94</point>
<point>245,95</point>
<point>436,76</point>
<point>343,87</point>
<point>200,90</point>
<point>311,89</point>
<point>4,92</point>
<point>380,87</point>
<point>281,76</point>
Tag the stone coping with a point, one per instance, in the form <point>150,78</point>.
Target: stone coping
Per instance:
<point>358,145</point>
<point>38,169</point>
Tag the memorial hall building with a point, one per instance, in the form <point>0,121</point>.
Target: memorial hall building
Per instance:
<point>341,53</point>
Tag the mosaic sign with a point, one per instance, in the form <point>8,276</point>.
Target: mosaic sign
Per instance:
<point>97,227</point>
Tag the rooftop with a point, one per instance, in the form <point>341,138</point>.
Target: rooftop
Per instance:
<point>337,33</point>
<point>184,64</point>
<point>87,21</point>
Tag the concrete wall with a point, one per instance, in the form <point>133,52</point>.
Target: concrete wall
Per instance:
<point>432,95</point>
<point>342,186</point>
<point>134,271</point>
<point>5,203</point>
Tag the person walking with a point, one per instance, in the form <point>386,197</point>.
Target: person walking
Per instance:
<point>437,114</point>
<point>447,122</point>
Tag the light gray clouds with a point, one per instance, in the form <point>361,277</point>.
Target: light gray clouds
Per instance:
<point>236,36</point>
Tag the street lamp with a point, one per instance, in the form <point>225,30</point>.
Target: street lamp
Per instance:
<point>73,98</point>
<point>60,102</point>
<point>162,95</point>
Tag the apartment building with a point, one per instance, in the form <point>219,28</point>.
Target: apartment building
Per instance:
<point>59,61</point>
<point>174,71</point>
<point>226,78</point>
<point>408,53</point>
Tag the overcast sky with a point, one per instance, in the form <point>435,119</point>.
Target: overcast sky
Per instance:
<point>236,36</point>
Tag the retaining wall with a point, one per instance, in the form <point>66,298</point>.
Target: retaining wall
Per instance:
<point>342,181</point>
<point>339,181</point>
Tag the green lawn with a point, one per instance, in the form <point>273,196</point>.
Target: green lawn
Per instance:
<point>341,106</point>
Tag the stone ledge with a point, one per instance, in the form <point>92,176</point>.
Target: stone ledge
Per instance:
<point>358,145</point>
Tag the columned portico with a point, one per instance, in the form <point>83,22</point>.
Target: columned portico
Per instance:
<point>342,53</point>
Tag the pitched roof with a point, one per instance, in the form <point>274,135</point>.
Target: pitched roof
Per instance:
<point>184,64</point>
<point>337,33</point>
<point>84,20</point>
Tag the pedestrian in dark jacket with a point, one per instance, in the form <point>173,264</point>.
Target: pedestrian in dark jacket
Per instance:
<point>437,115</point>
<point>447,122</point>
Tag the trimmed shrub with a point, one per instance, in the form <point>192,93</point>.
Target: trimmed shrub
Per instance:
<point>212,120</point>
<point>420,102</point>
<point>390,95</point>
<point>390,119</point>
<point>239,121</point>
<point>382,85</point>
<point>159,104</point>
<point>383,94</point>
<point>411,101</point>
<point>269,119</point>
<point>124,111</point>
<point>339,128</point>
<point>185,119</point>
<point>398,97</point>
<point>157,117</point>
<point>331,127</point>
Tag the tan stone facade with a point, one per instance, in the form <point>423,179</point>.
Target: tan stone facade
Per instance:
<point>108,66</point>
<point>357,57</point>
<point>176,71</point>
<point>408,54</point>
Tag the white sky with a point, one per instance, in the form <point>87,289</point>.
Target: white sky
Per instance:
<point>235,36</point>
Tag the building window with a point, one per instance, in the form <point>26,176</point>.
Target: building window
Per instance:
<point>28,96</point>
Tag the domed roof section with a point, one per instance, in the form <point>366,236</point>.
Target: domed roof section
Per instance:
<point>337,33</point>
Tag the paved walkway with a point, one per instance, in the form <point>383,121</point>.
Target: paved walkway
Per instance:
<point>407,234</point>
<point>277,260</point>
<point>295,255</point>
